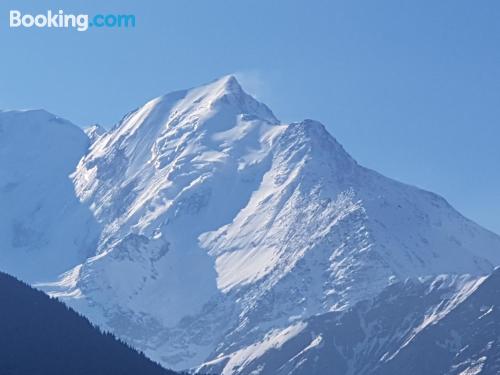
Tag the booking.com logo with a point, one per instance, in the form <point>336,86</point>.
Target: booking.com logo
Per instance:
<point>59,19</point>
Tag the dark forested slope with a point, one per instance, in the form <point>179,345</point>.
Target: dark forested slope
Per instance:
<point>40,335</point>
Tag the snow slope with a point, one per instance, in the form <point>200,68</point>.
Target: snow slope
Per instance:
<point>466,341</point>
<point>443,325</point>
<point>94,132</point>
<point>208,234</point>
<point>223,228</point>
<point>44,228</point>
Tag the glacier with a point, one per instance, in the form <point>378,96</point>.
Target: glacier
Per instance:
<point>207,233</point>
<point>45,229</point>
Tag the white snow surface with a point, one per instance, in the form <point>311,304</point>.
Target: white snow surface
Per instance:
<point>223,229</point>
<point>44,229</point>
<point>94,132</point>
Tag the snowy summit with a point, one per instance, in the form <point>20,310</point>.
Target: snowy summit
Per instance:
<point>220,239</point>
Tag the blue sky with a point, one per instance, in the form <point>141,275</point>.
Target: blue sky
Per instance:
<point>411,89</point>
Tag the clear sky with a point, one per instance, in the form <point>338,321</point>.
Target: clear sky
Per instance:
<point>411,89</point>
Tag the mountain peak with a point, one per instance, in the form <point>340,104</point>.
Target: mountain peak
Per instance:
<point>320,142</point>
<point>219,90</point>
<point>222,98</point>
<point>35,124</point>
<point>229,84</point>
<point>214,234</point>
<point>32,115</point>
<point>227,92</point>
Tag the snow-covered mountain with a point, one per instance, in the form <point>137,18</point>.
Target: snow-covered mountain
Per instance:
<point>44,229</point>
<point>94,132</point>
<point>232,243</point>
<point>465,340</point>
<point>446,325</point>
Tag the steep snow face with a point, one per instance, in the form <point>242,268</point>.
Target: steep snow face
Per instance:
<point>179,166</point>
<point>44,229</point>
<point>170,143</point>
<point>451,321</point>
<point>223,228</point>
<point>466,340</point>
